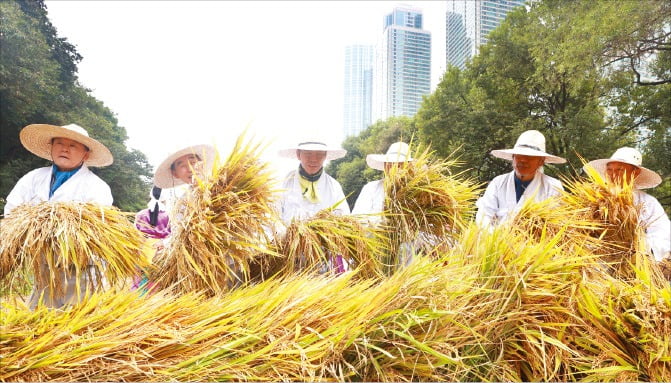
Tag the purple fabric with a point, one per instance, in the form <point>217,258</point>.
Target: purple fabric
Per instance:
<point>162,228</point>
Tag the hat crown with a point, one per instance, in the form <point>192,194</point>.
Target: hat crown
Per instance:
<point>628,155</point>
<point>532,139</point>
<point>398,149</point>
<point>77,129</point>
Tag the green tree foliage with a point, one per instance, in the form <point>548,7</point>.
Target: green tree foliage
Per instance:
<point>351,170</point>
<point>39,85</point>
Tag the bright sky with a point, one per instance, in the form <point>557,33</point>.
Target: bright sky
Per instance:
<point>182,72</point>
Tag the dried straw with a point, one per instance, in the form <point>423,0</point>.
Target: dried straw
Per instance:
<point>425,204</point>
<point>220,229</point>
<point>311,244</point>
<point>43,239</point>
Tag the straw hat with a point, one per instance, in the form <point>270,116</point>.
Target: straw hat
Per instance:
<point>332,153</point>
<point>37,139</point>
<point>646,178</point>
<point>529,143</point>
<point>397,152</point>
<point>163,177</point>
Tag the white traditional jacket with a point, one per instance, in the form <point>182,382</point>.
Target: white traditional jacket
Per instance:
<point>83,186</point>
<point>371,199</point>
<point>656,223</point>
<point>292,204</point>
<point>499,201</point>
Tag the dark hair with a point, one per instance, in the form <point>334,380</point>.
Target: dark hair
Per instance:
<point>156,192</point>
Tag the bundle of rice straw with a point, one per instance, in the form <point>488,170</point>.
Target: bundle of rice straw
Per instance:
<point>315,243</point>
<point>550,217</point>
<point>506,308</point>
<point>424,200</point>
<point>620,234</point>
<point>44,238</point>
<point>221,226</point>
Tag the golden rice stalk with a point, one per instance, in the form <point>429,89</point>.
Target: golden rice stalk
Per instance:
<point>551,217</point>
<point>499,306</point>
<point>424,196</point>
<point>220,225</point>
<point>48,237</point>
<point>426,205</point>
<point>612,207</point>
<point>628,336</point>
<point>311,244</point>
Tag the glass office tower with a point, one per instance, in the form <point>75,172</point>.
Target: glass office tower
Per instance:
<point>402,64</point>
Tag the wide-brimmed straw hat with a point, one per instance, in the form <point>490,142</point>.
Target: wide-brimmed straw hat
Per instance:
<point>397,152</point>
<point>332,153</point>
<point>37,139</point>
<point>163,177</point>
<point>646,178</point>
<point>529,143</point>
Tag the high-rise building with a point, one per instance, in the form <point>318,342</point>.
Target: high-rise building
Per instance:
<point>358,88</point>
<point>402,64</point>
<point>467,24</point>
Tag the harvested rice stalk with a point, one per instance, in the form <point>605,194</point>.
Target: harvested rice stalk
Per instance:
<point>313,243</point>
<point>48,237</point>
<point>612,207</point>
<point>221,229</point>
<point>550,217</point>
<point>426,203</point>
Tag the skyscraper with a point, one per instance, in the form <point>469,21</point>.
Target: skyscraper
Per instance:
<point>358,88</point>
<point>402,64</point>
<point>467,24</point>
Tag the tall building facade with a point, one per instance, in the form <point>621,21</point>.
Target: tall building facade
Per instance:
<point>358,87</point>
<point>467,24</point>
<point>402,64</point>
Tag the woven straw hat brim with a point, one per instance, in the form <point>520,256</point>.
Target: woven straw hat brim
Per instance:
<point>377,161</point>
<point>331,153</point>
<point>646,178</point>
<point>37,139</point>
<point>163,177</point>
<point>507,154</point>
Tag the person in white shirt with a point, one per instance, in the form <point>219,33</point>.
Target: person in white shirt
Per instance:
<point>68,179</point>
<point>308,189</point>
<point>625,164</point>
<point>506,193</point>
<point>371,197</point>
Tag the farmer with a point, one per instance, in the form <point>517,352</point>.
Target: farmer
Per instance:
<point>371,198</point>
<point>625,164</point>
<point>68,179</point>
<point>309,189</point>
<point>506,193</point>
<point>179,171</point>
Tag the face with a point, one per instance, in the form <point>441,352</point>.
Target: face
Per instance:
<point>184,166</point>
<point>619,171</point>
<point>68,154</point>
<point>311,160</point>
<point>526,166</point>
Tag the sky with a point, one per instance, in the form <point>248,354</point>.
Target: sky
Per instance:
<point>177,73</point>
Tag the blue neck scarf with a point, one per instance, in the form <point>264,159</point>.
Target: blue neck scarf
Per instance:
<point>59,177</point>
<point>520,187</point>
